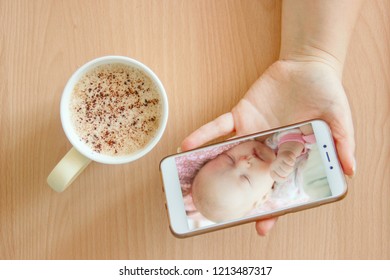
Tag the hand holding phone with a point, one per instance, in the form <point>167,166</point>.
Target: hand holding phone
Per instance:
<point>234,182</point>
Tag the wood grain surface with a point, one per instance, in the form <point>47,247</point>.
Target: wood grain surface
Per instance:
<point>207,54</point>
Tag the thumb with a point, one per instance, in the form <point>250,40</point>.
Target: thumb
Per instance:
<point>221,126</point>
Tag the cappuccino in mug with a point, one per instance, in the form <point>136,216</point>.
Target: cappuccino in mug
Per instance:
<point>115,109</point>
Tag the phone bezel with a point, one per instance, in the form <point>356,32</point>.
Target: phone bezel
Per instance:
<point>174,200</point>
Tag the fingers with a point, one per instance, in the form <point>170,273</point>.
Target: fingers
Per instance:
<point>343,133</point>
<point>221,126</point>
<point>277,177</point>
<point>347,158</point>
<point>279,173</point>
<point>263,227</point>
<point>282,167</point>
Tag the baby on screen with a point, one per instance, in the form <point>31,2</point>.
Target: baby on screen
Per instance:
<point>239,180</point>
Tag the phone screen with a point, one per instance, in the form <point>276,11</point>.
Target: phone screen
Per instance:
<point>252,176</point>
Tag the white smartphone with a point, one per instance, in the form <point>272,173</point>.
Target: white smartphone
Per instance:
<point>253,177</point>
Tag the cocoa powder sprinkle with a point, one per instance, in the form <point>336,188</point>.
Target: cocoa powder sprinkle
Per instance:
<point>110,97</point>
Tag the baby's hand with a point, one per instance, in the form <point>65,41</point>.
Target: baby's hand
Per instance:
<point>284,163</point>
<point>283,166</point>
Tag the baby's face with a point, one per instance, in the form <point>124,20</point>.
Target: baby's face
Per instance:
<point>235,180</point>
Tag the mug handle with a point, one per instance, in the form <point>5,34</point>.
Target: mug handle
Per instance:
<point>70,166</point>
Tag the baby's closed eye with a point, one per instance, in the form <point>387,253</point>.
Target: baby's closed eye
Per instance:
<point>245,178</point>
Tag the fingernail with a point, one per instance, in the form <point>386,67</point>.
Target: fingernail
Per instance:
<point>178,150</point>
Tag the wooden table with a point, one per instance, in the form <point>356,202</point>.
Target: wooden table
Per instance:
<point>207,54</point>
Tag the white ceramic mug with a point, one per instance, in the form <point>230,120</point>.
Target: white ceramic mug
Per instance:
<point>80,155</point>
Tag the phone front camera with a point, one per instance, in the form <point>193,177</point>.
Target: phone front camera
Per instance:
<point>331,167</point>
<point>324,146</point>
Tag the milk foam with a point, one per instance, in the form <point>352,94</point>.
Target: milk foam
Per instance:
<point>116,109</point>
